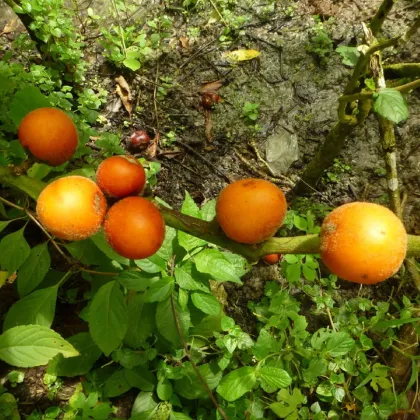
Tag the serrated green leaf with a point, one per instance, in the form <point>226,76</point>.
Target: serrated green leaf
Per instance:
<point>14,251</point>
<point>32,345</point>
<point>80,365</point>
<point>339,344</point>
<point>167,248</point>
<point>189,278</point>
<point>108,317</point>
<point>160,290</point>
<point>206,303</point>
<point>317,367</point>
<point>141,321</point>
<point>34,269</point>
<point>38,308</point>
<point>275,377</point>
<point>153,264</point>
<point>349,55</point>
<point>213,262</point>
<point>165,321</point>
<point>391,104</point>
<point>208,211</point>
<point>237,383</point>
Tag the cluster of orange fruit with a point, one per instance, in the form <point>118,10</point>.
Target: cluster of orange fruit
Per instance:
<point>359,242</point>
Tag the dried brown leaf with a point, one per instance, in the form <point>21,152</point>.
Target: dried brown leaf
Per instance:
<point>185,43</point>
<point>211,86</point>
<point>10,27</point>
<point>124,92</point>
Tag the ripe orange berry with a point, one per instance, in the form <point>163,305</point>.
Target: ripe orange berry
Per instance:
<point>251,210</point>
<point>120,176</point>
<point>71,208</point>
<point>49,134</point>
<point>134,228</point>
<point>363,242</point>
<point>272,258</point>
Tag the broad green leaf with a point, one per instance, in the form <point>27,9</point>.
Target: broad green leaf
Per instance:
<point>237,383</point>
<point>14,251</point>
<point>340,344</point>
<point>32,345</point>
<point>3,224</point>
<point>153,264</point>
<point>101,411</point>
<point>141,321</point>
<point>395,323</point>
<point>86,252</point>
<point>108,317</point>
<point>138,281</point>
<point>189,278</point>
<point>117,384</point>
<point>213,262</point>
<point>349,55</point>
<point>39,170</point>
<point>206,303</point>
<point>239,263</point>
<point>164,390</point>
<point>207,326</point>
<point>143,402</point>
<point>25,101</point>
<point>34,269</point>
<point>191,388</point>
<point>165,321</point>
<point>78,365</point>
<point>288,407</point>
<point>390,104</point>
<point>275,377</point>
<point>167,249</point>
<point>317,367</point>
<point>160,290</point>
<point>132,64</point>
<point>38,308</point>
<point>141,378</point>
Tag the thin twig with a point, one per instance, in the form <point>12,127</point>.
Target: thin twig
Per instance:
<point>197,371</point>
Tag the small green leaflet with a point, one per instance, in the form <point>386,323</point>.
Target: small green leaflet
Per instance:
<point>339,344</point>
<point>349,55</point>
<point>34,269</point>
<point>237,383</point>
<point>108,317</point>
<point>390,104</point>
<point>38,308</point>
<point>32,345</point>
<point>213,262</point>
<point>189,278</point>
<point>288,407</point>
<point>14,251</point>
<point>164,390</point>
<point>132,64</point>
<point>206,303</point>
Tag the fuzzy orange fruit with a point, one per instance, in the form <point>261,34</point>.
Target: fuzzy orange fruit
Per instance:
<point>134,228</point>
<point>121,176</point>
<point>363,242</point>
<point>251,210</point>
<point>71,208</point>
<point>49,134</point>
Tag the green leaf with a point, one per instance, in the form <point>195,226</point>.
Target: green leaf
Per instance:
<point>339,344</point>
<point>14,251</point>
<point>108,317</point>
<point>349,55</point>
<point>206,303</point>
<point>141,378</point>
<point>237,383</point>
<point>317,367</point>
<point>165,321</point>
<point>275,377</point>
<point>167,249</point>
<point>100,241</point>
<point>208,211</point>
<point>213,262</point>
<point>191,388</point>
<point>117,384</point>
<point>3,224</point>
<point>288,407</point>
<point>25,101</point>
<point>38,308</point>
<point>141,321</point>
<point>143,402</point>
<point>34,269</point>
<point>164,390</point>
<point>80,365</point>
<point>132,64</point>
<point>86,252</point>
<point>160,290</point>
<point>32,345</point>
<point>189,278</point>
<point>101,411</point>
<point>390,104</point>
<point>138,281</point>
<point>153,264</point>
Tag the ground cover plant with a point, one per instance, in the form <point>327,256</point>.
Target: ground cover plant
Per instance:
<point>115,304</point>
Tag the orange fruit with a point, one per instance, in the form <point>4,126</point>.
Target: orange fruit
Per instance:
<point>121,176</point>
<point>71,208</point>
<point>251,210</point>
<point>134,228</point>
<point>271,258</point>
<point>49,134</point>
<point>363,242</point>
